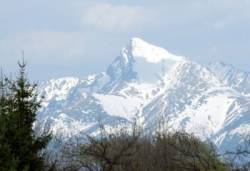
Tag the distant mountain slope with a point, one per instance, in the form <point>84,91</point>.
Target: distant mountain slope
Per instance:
<point>149,84</point>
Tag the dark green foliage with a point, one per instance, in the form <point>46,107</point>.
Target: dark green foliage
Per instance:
<point>7,160</point>
<point>19,105</point>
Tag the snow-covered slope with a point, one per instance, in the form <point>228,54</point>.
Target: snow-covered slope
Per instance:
<point>232,77</point>
<point>149,84</point>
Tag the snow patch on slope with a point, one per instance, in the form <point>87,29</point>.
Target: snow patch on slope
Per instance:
<point>118,105</point>
<point>210,115</point>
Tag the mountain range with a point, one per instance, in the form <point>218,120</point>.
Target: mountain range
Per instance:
<point>152,86</point>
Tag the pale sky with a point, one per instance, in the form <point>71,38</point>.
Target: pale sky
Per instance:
<point>81,37</point>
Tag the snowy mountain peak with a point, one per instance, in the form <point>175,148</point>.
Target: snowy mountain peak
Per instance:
<point>151,53</point>
<point>151,85</point>
<point>136,59</point>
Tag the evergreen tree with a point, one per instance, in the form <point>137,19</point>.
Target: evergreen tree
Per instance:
<point>22,107</point>
<point>7,161</point>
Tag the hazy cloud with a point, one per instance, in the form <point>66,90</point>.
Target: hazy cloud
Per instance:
<point>116,17</point>
<point>44,45</point>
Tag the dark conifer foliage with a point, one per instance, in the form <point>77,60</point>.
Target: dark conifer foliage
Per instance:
<point>19,105</point>
<point>7,159</point>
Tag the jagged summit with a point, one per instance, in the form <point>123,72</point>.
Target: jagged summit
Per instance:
<point>137,57</point>
<point>151,53</point>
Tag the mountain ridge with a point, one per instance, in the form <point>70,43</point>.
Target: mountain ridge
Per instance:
<point>150,84</point>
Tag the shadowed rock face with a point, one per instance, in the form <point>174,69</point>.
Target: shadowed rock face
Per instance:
<point>153,86</point>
